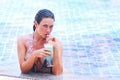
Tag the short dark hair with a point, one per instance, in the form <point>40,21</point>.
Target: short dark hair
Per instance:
<point>44,13</point>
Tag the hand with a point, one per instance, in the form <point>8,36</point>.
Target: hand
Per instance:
<point>56,43</point>
<point>51,39</point>
<point>43,52</point>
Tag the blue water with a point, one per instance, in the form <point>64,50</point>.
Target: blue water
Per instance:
<point>88,29</point>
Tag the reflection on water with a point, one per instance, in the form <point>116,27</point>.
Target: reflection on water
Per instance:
<point>99,58</point>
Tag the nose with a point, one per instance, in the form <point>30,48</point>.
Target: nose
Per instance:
<point>48,30</point>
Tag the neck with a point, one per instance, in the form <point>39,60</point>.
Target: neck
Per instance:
<point>37,37</point>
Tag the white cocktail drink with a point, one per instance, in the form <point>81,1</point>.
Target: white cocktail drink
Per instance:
<point>49,47</point>
<point>49,59</point>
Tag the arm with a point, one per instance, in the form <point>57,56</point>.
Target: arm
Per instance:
<point>25,66</point>
<point>57,58</point>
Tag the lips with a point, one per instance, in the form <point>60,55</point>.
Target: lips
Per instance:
<point>46,35</point>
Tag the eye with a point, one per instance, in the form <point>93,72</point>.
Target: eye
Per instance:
<point>51,26</point>
<point>45,25</point>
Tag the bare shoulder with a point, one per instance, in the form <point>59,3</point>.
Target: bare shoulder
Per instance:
<point>58,41</point>
<point>23,39</point>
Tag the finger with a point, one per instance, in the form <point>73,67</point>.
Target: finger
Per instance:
<point>43,55</point>
<point>49,54</point>
<point>47,50</point>
<point>51,38</point>
<point>46,54</point>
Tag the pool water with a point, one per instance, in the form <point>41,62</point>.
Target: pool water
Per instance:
<point>88,29</point>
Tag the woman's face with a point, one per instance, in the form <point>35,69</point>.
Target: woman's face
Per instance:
<point>45,27</point>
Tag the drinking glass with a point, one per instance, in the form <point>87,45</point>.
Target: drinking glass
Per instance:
<point>49,60</point>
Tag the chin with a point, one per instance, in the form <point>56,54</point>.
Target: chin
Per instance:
<point>44,36</point>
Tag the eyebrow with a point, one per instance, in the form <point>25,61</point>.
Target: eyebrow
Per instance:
<point>47,25</point>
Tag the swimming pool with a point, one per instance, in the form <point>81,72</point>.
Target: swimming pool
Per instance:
<point>89,31</point>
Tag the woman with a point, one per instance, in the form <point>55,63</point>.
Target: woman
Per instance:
<point>31,51</point>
